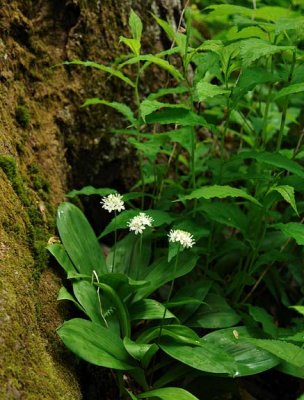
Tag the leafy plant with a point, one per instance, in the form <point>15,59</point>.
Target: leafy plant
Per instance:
<point>221,167</point>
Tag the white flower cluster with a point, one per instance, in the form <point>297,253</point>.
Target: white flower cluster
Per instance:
<point>139,223</point>
<point>113,202</point>
<point>184,238</point>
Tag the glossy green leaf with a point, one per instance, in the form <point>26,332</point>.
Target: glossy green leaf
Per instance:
<point>168,393</point>
<point>58,251</point>
<point>138,350</point>
<point>95,344</point>
<point>120,107</point>
<point>217,191</point>
<point>180,333</point>
<point>86,295</point>
<point>162,272</point>
<point>148,309</point>
<point>248,359</point>
<point>64,294</point>
<point>260,315</point>
<point>104,68</point>
<point>79,240</point>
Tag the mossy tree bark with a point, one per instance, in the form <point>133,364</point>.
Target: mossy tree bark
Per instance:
<point>48,144</point>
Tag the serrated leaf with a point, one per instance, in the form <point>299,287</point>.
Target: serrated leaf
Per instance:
<point>229,9</point>
<point>291,89</point>
<point>178,116</point>
<point>90,190</point>
<point>155,60</point>
<point>166,91</point>
<point>204,90</point>
<point>253,49</point>
<point>104,68</point>
<point>293,230</point>
<point>287,192</point>
<point>168,393</point>
<point>286,351</point>
<point>120,107</point>
<point>217,191</point>
<point>275,160</point>
<point>95,344</point>
<point>148,106</point>
<point>135,25</point>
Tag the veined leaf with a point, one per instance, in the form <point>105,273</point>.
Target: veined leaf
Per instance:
<point>95,344</point>
<point>248,359</point>
<point>168,393</point>
<point>155,60</point>
<point>253,49</point>
<point>178,116</point>
<point>291,23</point>
<point>79,240</point>
<point>275,160</point>
<point>287,192</point>
<point>203,90</point>
<point>148,106</point>
<point>229,9</point>
<point>135,25</point>
<point>293,230</point>
<point>221,192</point>
<point>64,294</point>
<point>260,315</point>
<point>286,351</point>
<point>138,350</point>
<point>291,89</point>
<point>148,309</point>
<point>103,68</point>
<point>120,107</point>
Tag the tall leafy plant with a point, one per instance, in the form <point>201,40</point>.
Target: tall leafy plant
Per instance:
<point>221,170</point>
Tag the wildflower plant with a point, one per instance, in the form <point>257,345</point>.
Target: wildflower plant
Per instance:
<point>190,297</point>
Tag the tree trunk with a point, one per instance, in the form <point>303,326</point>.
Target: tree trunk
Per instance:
<point>47,145</point>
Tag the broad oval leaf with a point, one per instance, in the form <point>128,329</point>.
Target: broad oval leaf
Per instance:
<point>95,344</point>
<point>58,251</point>
<point>204,90</point>
<point>248,359</point>
<point>79,240</point>
<point>168,393</point>
<point>149,309</point>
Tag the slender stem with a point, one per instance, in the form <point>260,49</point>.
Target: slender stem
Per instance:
<point>285,106</point>
<point>140,250</point>
<point>115,241</point>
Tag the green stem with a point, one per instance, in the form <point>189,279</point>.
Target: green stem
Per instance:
<point>140,155</point>
<point>115,241</point>
<point>285,106</point>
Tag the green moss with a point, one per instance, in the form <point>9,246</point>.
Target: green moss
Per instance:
<point>22,116</point>
<point>9,166</point>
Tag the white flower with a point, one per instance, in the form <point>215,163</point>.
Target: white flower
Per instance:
<point>139,223</point>
<point>113,202</point>
<point>182,237</point>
